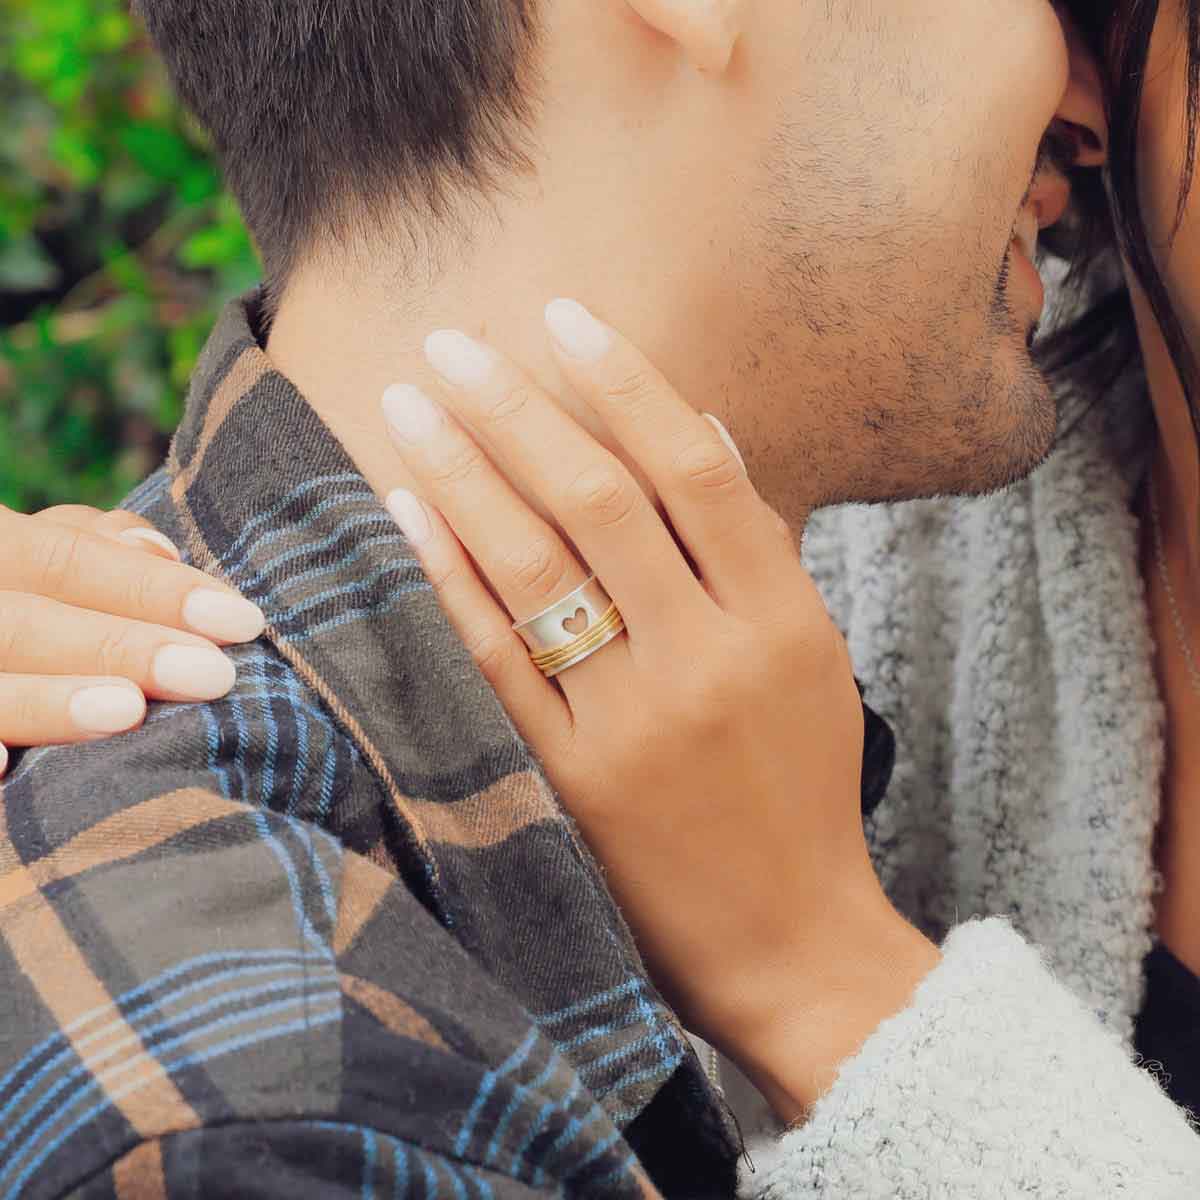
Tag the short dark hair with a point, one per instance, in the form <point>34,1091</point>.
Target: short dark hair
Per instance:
<point>326,113</point>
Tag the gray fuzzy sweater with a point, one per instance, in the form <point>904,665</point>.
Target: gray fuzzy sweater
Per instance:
<point>1006,641</point>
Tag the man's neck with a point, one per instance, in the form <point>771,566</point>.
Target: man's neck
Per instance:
<point>343,338</point>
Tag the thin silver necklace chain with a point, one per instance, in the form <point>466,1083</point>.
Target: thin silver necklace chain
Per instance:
<point>1160,554</point>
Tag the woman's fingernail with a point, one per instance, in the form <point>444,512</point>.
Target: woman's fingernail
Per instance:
<point>194,672</point>
<point>723,434</point>
<point>223,617</point>
<point>411,415</point>
<point>409,513</point>
<point>140,538</point>
<point>107,708</point>
<point>3,759</point>
<point>459,360</point>
<point>576,331</point>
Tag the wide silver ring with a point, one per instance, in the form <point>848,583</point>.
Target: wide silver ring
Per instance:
<point>571,629</point>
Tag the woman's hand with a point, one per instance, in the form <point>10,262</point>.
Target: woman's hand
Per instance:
<point>97,614</point>
<point>712,755</point>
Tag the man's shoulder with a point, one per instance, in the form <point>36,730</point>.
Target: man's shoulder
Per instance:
<point>270,742</point>
<point>194,964</point>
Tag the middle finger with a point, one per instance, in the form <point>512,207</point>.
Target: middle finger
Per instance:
<point>585,487</point>
<point>520,555</point>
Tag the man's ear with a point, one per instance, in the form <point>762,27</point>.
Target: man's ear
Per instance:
<point>706,30</point>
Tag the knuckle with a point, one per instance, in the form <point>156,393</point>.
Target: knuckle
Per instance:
<point>603,496</point>
<point>116,652</point>
<point>15,625</point>
<point>708,467</point>
<point>539,569</point>
<point>56,560</point>
<point>631,389</point>
<point>492,651</point>
<point>508,404</point>
<point>457,466</point>
<point>28,709</point>
<point>441,575</point>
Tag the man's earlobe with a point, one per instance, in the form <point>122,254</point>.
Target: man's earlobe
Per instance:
<point>706,30</point>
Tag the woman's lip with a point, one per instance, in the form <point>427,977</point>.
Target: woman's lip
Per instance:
<point>1023,268</point>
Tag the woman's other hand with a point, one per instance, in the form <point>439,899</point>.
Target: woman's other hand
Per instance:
<point>712,755</point>
<point>97,615</point>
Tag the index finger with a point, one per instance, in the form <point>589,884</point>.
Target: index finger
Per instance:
<point>91,571</point>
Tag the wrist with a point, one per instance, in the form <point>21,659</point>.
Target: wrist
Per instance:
<point>817,1005</point>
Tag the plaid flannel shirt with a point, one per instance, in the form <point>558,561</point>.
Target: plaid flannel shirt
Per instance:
<point>330,935</point>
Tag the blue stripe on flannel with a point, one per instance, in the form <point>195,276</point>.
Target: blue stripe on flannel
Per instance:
<point>615,1176</point>
<point>576,1126</point>
<point>539,1122</point>
<point>215,765</point>
<point>602,1147</point>
<point>571,1133</point>
<point>233,702</point>
<point>665,1046</point>
<point>360,550</point>
<point>268,768</point>
<point>359,486</point>
<point>400,1166</point>
<point>370,1152</point>
<point>303,920</point>
<point>328,778</point>
<point>147,1036</point>
<point>486,1086</point>
<point>481,1185</point>
<point>141,1032</point>
<point>630,1048</point>
<point>305,1024</point>
<point>262,576</point>
<point>399,1154</point>
<point>395,600</point>
<point>317,864</point>
<point>632,985</point>
<point>300,767</point>
<point>514,1104</point>
<point>273,960</point>
<point>353,587</point>
<point>147,493</point>
<point>236,562</point>
<point>598,1031</point>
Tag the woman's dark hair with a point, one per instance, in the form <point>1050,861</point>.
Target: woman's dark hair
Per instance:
<point>1119,33</point>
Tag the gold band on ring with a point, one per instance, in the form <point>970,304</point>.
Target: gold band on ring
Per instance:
<point>551,662</point>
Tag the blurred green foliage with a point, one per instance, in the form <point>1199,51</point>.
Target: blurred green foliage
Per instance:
<point>117,247</point>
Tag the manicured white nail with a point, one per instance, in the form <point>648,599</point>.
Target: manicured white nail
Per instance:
<point>409,513</point>
<point>459,360</point>
<point>223,617</point>
<point>723,434</point>
<point>3,759</point>
<point>138,538</point>
<point>107,708</point>
<point>576,331</point>
<point>194,672</point>
<point>411,415</point>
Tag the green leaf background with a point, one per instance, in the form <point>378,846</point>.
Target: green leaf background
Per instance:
<point>118,245</point>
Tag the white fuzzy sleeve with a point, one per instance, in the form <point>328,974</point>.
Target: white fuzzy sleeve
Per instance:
<point>995,1082</point>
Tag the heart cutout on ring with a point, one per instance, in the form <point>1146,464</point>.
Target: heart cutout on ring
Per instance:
<point>577,624</point>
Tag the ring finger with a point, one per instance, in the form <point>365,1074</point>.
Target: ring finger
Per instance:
<point>522,558</point>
